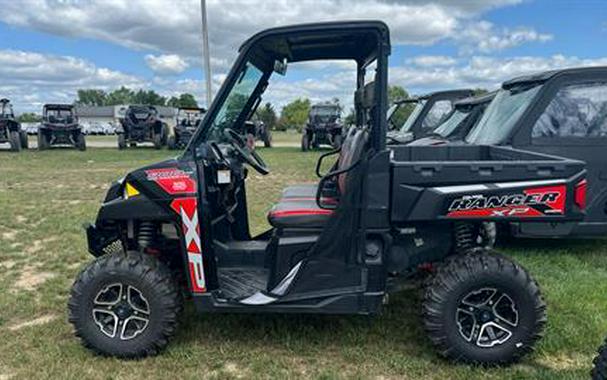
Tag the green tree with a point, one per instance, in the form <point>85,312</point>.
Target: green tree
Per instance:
<point>480,91</point>
<point>123,95</point>
<point>29,117</point>
<point>184,100</point>
<point>295,114</point>
<point>396,93</point>
<point>350,118</point>
<point>267,114</point>
<point>91,97</point>
<point>148,97</point>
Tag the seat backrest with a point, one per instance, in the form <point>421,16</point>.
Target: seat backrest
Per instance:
<point>356,149</point>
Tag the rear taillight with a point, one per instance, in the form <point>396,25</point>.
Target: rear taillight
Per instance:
<point>580,194</point>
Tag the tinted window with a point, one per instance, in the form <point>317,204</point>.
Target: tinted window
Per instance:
<point>437,114</point>
<point>576,111</point>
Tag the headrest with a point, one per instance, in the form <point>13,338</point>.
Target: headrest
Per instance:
<point>365,97</point>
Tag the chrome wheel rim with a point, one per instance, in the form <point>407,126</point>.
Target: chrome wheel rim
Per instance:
<point>487,317</point>
<point>121,311</point>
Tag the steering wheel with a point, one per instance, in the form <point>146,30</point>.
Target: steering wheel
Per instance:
<point>248,155</point>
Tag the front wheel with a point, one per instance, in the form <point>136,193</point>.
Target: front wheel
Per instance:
<point>483,308</point>
<point>42,141</point>
<point>23,139</point>
<point>157,139</point>
<point>121,141</point>
<point>305,142</point>
<point>267,139</point>
<point>14,141</point>
<point>599,372</point>
<point>171,143</point>
<point>125,305</point>
<point>81,142</point>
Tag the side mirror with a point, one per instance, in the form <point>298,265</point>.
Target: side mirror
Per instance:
<point>280,67</point>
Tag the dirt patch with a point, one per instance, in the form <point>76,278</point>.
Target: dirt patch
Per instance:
<point>10,235</point>
<point>21,219</point>
<point>31,278</point>
<point>37,245</point>
<point>8,264</point>
<point>565,361</point>
<point>34,322</point>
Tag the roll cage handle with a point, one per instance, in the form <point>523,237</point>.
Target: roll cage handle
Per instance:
<point>327,177</point>
<point>322,157</point>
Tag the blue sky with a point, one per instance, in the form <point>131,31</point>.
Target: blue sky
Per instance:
<point>50,48</point>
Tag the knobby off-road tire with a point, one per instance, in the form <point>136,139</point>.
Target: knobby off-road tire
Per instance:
<point>157,139</point>
<point>23,140</point>
<point>483,308</point>
<point>135,288</point>
<point>267,139</point>
<point>42,141</point>
<point>337,141</point>
<point>305,143</point>
<point>599,372</point>
<point>15,141</point>
<point>121,141</point>
<point>171,143</point>
<point>81,142</point>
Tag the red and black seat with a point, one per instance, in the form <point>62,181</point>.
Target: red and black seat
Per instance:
<point>304,211</point>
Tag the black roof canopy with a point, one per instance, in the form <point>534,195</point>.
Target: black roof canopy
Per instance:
<point>357,40</point>
<point>476,100</point>
<point>547,75</point>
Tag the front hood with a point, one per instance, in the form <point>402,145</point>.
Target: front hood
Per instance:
<point>429,141</point>
<point>397,137</point>
<point>165,180</point>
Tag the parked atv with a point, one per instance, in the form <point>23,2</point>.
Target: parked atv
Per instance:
<point>60,127</point>
<point>187,121</point>
<point>465,115</point>
<point>141,124</point>
<point>430,111</point>
<point>10,128</point>
<point>376,219</point>
<point>324,127</point>
<point>256,130</point>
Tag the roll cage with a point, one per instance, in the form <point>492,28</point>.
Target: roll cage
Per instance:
<point>365,42</point>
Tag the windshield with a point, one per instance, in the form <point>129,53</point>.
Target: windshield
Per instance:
<point>450,125</point>
<point>324,111</point>
<point>502,115</point>
<point>411,119</point>
<point>235,102</point>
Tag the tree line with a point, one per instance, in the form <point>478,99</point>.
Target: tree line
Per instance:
<point>125,95</point>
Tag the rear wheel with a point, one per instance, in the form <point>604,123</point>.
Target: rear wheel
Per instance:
<point>23,139</point>
<point>599,372</point>
<point>42,140</point>
<point>125,305</point>
<point>81,142</point>
<point>157,139</point>
<point>483,308</point>
<point>305,142</point>
<point>171,143</point>
<point>14,141</point>
<point>121,141</point>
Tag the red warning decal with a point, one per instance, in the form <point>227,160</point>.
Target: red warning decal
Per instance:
<point>187,208</point>
<point>537,202</point>
<point>172,180</point>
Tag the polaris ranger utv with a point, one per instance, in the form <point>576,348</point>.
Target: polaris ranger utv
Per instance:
<point>187,121</point>
<point>141,124</point>
<point>430,110</point>
<point>324,126</point>
<point>376,218</point>
<point>465,115</point>
<point>10,128</point>
<point>60,127</point>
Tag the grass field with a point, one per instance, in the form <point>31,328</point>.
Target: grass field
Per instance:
<point>46,196</point>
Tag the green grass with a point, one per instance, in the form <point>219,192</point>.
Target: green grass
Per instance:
<point>46,196</point>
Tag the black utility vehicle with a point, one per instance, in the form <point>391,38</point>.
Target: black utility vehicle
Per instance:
<point>258,130</point>
<point>324,126</point>
<point>465,115</point>
<point>430,110</point>
<point>377,217</point>
<point>562,112</point>
<point>60,127</point>
<point>141,124</point>
<point>10,128</point>
<point>187,122</point>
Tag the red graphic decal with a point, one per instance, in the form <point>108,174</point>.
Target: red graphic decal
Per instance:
<point>172,180</point>
<point>537,202</point>
<point>187,208</point>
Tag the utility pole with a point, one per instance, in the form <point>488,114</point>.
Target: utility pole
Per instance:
<point>205,52</point>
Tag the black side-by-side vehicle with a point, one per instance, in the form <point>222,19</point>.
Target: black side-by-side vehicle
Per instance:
<point>324,126</point>
<point>187,120</point>
<point>429,112</point>
<point>60,127</point>
<point>10,128</point>
<point>140,124</point>
<point>377,217</point>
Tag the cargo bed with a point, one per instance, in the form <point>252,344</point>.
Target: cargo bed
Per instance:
<point>483,182</point>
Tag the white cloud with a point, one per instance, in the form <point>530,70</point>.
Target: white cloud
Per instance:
<point>432,60</point>
<point>166,64</point>
<point>485,37</point>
